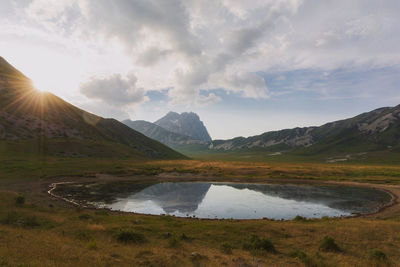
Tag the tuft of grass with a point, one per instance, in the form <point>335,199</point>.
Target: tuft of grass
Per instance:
<point>378,255</point>
<point>3,262</point>
<point>83,235</point>
<point>304,258</point>
<point>173,242</point>
<point>143,253</point>
<point>102,212</point>
<point>226,248</point>
<point>328,244</point>
<point>130,237</point>
<point>196,257</point>
<point>256,243</point>
<point>92,245</point>
<point>20,200</point>
<point>299,218</point>
<point>17,219</point>
<point>85,216</point>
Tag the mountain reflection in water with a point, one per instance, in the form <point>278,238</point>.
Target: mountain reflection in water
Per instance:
<point>251,201</point>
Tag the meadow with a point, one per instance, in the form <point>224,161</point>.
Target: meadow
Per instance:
<point>38,230</point>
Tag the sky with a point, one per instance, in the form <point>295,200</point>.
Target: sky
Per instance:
<point>245,67</point>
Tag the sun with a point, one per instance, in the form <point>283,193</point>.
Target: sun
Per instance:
<point>39,86</point>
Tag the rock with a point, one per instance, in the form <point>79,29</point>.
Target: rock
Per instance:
<point>186,123</point>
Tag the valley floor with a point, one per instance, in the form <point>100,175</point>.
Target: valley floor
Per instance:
<point>45,231</point>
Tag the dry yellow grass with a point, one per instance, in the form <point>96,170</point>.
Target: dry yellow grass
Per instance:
<point>66,236</point>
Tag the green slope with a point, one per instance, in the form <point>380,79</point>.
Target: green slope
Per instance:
<point>46,124</point>
<point>369,137</point>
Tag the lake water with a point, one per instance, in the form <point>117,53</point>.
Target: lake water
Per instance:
<point>249,201</point>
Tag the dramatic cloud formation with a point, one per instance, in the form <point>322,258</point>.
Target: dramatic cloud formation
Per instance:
<point>188,49</point>
<point>114,90</point>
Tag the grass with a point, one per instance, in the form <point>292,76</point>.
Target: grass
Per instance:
<point>130,237</point>
<point>226,248</point>
<point>257,244</point>
<point>52,233</point>
<point>328,244</point>
<point>19,200</point>
<point>304,258</point>
<point>17,219</point>
<point>99,239</point>
<point>378,255</point>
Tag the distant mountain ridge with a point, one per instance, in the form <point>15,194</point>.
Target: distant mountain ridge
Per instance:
<point>186,123</point>
<point>375,130</point>
<point>160,134</point>
<point>44,123</point>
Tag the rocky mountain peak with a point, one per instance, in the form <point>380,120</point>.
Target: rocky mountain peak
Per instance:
<point>186,123</point>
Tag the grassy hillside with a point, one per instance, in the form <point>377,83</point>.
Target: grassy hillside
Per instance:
<point>370,137</point>
<point>45,123</point>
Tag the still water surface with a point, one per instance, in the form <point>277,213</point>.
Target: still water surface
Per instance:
<point>250,201</point>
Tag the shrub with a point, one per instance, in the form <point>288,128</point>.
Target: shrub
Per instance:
<point>328,244</point>
<point>130,237</point>
<point>20,200</point>
<point>377,254</point>
<point>261,244</point>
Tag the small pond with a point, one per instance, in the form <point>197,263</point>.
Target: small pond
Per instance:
<point>241,201</point>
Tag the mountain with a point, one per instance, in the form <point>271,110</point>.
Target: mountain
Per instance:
<point>375,131</point>
<point>37,122</point>
<point>187,123</point>
<point>162,135</point>
<point>372,131</point>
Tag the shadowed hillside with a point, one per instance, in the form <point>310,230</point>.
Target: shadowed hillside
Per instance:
<point>377,130</point>
<point>39,122</point>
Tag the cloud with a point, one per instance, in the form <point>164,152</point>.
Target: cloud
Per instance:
<point>247,84</point>
<point>193,46</point>
<point>203,100</point>
<point>114,90</point>
<point>151,56</point>
<point>140,20</point>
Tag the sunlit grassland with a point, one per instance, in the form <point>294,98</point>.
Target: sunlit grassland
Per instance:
<point>48,232</point>
<point>74,237</point>
<point>47,167</point>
